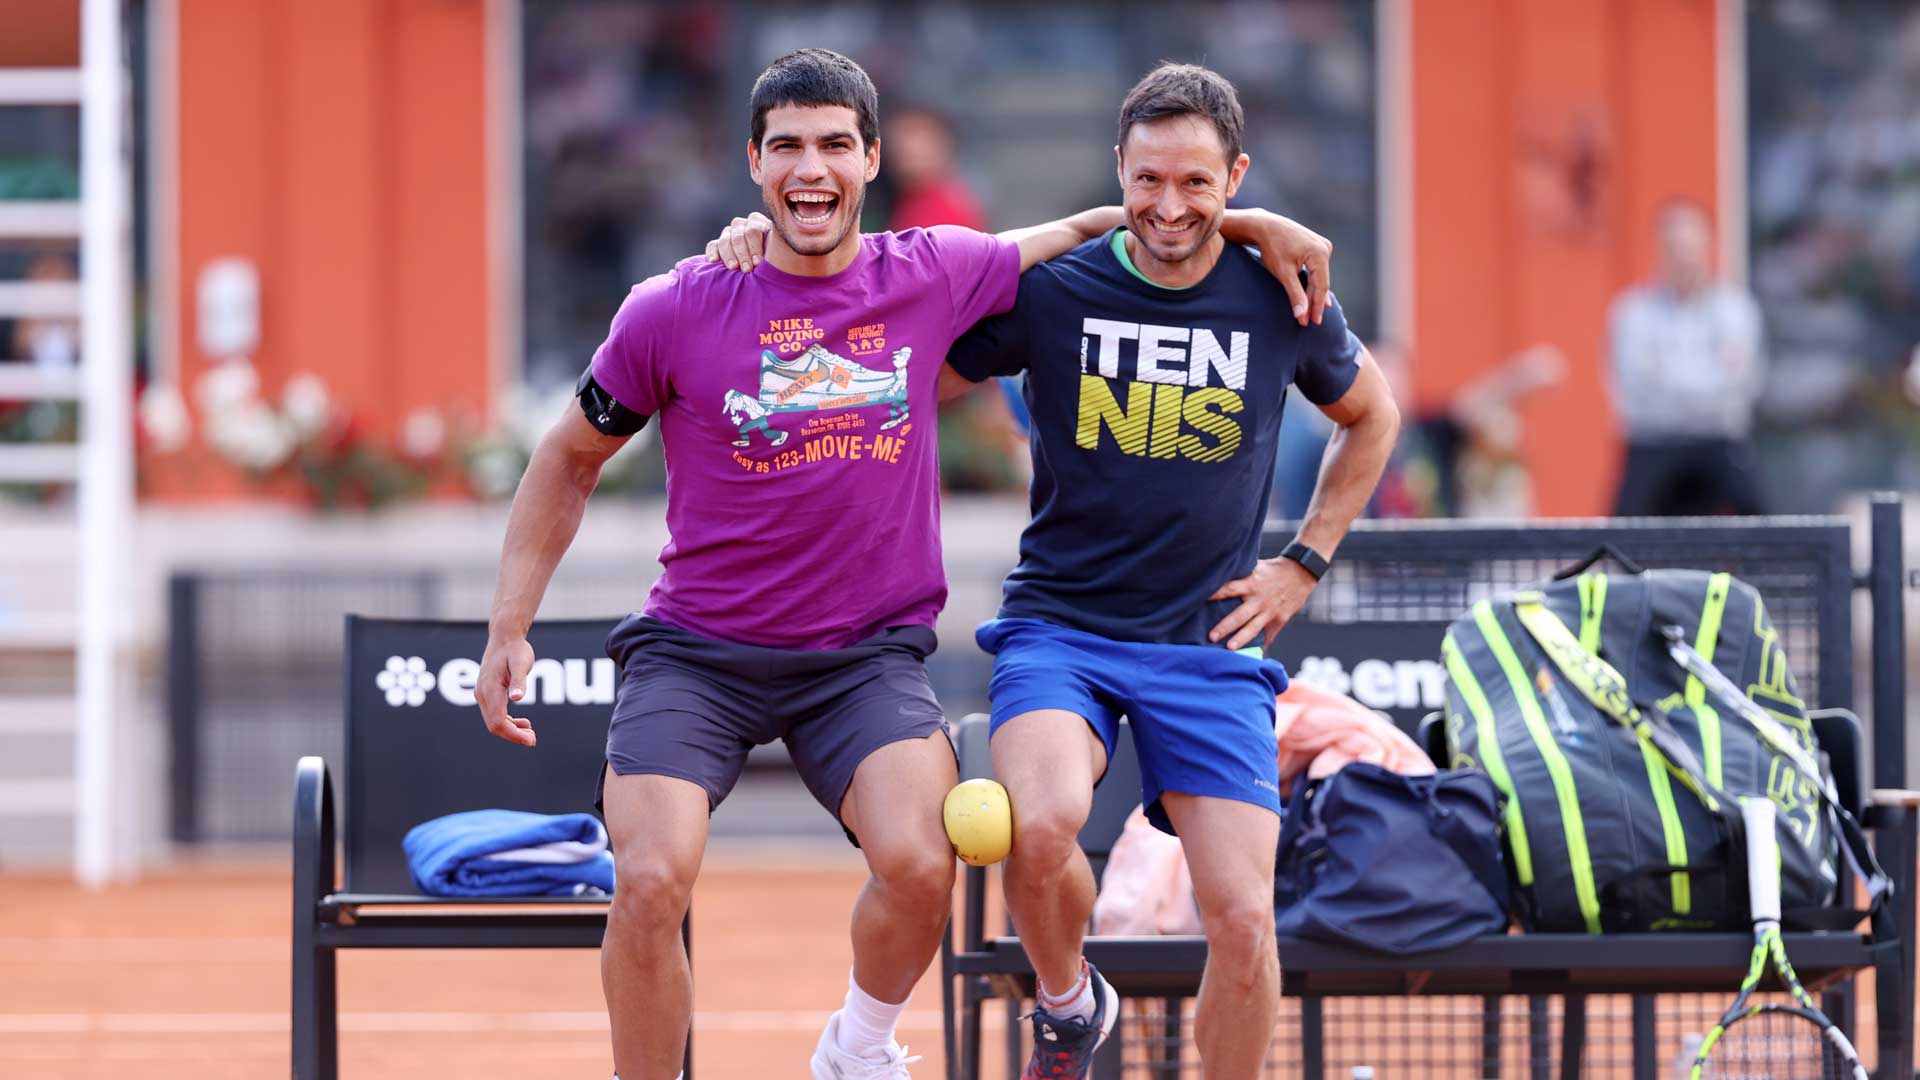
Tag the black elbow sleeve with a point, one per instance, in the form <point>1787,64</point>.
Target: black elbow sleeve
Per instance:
<point>607,416</point>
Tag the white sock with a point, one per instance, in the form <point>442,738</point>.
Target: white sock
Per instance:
<point>867,1023</point>
<point>1075,1004</point>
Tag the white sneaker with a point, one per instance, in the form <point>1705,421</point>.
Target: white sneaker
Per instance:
<point>832,1063</point>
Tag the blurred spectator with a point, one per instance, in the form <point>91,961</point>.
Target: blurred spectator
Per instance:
<point>49,341</point>
<point>982,446</point>
<point>1460,460</point>
<point>1684,369</point>
<point>1834,203</point>
<point>917,151</point>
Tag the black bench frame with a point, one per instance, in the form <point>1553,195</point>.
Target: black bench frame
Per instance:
<point>326,920</point>
<point>976,967</point>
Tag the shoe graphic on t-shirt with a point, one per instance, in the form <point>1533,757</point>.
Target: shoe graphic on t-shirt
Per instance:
<point>819,379</point>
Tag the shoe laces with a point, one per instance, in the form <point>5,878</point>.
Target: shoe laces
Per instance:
<point>1050,1058</point>
<point>891,1067</point>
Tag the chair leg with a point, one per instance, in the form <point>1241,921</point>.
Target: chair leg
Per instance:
<point>1173,1035</point>
<point>1313,1038</point>
<point>1014,1064</point>
<point>948,1027</point>
<point>969,1033</point>
<point>1539,1035</point>
<point>316,1004</point>
<point>1490,1036</point>
<point>1573,1035</point>
<point>1646,1037</point>
<point>686,942</point>
<point>1106,1060</point>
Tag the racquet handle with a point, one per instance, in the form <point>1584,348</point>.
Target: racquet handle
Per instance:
<point>1763,859</point>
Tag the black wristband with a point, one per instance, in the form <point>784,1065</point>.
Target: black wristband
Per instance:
<point>1310,560</point>
<point>608,416</point>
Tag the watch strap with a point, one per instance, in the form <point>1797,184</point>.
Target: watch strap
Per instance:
<point>1312,561</point>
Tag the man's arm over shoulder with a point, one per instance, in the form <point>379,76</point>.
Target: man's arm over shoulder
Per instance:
<point>1038,243</point>
<point>1290,251</point>
<point>982,271</point>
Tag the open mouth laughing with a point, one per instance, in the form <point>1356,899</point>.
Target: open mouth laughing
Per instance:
<point>812,209</point>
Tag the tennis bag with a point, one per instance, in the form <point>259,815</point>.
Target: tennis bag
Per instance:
<point>1396,864</point>
<point>1621,769</point>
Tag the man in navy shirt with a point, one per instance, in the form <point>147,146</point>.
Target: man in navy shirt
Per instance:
<point>1158,358</point>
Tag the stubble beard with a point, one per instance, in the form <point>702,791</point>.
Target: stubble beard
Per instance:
<point>810,246</point>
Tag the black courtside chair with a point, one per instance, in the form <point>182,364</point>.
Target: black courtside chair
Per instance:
<point>416,749</point>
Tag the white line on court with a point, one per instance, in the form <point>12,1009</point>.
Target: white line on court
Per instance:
<point>256,1023</point>
<point>17,950</point>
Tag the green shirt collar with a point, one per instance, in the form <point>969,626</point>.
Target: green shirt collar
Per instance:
<point>1120,252</point>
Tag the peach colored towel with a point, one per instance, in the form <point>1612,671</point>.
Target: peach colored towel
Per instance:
<point>1147,888</point>
<point>1319,731</point>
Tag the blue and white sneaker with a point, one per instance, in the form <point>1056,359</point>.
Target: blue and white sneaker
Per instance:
<point>1063,1046</point>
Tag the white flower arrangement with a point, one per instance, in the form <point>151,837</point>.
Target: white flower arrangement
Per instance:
<point>308,436</point>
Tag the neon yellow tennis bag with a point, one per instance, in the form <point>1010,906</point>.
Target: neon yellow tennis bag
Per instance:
<point>1622,716</point>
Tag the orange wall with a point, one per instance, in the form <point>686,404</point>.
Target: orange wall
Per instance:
<point>1545,133</point>
<point>39,33</point>
<point>341,147</point>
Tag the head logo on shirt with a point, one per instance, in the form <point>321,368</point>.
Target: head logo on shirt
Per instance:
<point>1182,397</point>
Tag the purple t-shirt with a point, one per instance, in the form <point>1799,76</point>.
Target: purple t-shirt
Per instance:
<point>798,418</point>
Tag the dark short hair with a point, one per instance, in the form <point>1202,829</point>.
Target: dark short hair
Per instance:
<point>1186,90</point>
<point>816,77</point>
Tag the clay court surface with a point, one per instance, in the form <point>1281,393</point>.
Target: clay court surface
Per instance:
<point>186,974</point>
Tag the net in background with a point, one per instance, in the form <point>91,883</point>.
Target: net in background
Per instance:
<point>1438,1038</point>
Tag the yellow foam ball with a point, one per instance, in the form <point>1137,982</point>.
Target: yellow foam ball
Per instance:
<point>979,822</point>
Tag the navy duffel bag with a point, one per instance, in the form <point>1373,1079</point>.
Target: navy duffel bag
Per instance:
<point>1392,863</point>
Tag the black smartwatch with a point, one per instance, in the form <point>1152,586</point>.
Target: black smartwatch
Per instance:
<point>1309,559</point>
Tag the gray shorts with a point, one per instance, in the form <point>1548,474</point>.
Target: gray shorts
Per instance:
<point>691,707</point>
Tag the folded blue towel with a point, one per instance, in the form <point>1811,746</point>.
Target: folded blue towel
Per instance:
<point>510,853</point>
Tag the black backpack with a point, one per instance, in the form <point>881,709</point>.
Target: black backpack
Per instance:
<point>1605,708</point>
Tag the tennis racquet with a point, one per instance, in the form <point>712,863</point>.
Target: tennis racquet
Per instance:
<point>1773,731</point>
<point>1764,1041</point>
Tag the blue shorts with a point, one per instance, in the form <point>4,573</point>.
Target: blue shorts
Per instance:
<point>1202,715</point>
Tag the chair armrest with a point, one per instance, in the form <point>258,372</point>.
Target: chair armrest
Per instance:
<point>313,854</point>
<point>1433,739</point>
<point>1838,734</point>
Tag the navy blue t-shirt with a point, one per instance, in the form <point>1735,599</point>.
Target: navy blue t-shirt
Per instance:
<point>1155,415</point>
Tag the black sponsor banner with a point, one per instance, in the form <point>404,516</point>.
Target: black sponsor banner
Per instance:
<point>417,749</point>
<point>1393,667</point>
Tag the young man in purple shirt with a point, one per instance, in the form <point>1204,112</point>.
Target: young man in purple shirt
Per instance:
<point>800,585</point>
